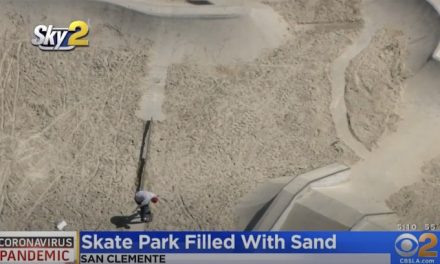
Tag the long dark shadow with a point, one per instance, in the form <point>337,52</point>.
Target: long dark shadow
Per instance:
<point>143,154</point>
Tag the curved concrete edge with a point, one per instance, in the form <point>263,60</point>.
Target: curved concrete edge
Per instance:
<point>436,5</point>
<point>379,222</point>
<point>283,198</point>
<point>181,11</point>
<point>300,203</point>
<point>436,55</point>
<point>313,209</point>
<point>255,203</point>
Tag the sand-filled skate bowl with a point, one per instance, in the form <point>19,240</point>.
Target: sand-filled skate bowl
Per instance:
<point>69,140</point>
<point>233,117</point>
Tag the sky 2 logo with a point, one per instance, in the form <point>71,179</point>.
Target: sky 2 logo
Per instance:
<point>408,245</point>
<point>51,38</point>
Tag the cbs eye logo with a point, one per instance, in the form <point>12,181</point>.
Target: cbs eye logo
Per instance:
<point>407,245</point>
<point>52,38</point>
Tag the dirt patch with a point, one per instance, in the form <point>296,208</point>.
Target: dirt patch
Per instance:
<point>419,203</point>
<point>229,128</point>
<point>69,139</point>
<point>318,11</point>
<point>374,81</point>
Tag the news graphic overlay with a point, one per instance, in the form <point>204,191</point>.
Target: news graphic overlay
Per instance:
<point>51,38</point>
<point>259,247</point>
<point>220,247</point>
<point>413,248</point>
<point>38,247</point>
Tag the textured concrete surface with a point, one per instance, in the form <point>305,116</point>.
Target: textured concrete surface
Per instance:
<point>302,204</point>
<point>396,160</point>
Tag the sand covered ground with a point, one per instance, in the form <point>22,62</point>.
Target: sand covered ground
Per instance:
<point>69,139</point>
<point>418,203</point>
<point>374,85</point>
<point>70,136</point>
<point>229,128</point>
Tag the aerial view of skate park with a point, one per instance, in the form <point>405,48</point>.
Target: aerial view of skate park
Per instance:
<point>236,114</point>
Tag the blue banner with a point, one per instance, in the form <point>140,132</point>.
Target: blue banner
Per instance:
<point>395,247</point>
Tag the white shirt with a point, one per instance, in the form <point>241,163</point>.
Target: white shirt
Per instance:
<point>144,197</point>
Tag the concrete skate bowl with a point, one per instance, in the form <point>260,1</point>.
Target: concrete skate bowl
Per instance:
<point>242,95</point>
<point>396,137</point>
<point>71,123</point>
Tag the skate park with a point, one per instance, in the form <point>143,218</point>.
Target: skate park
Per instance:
<point>309,201</point>
<point>268,116</point>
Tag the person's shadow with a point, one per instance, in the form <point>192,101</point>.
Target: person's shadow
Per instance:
<point>123,221</point>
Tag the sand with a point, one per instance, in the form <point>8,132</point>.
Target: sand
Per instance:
<point>318,11</point>
<point>229,128</point>
<point>70,136</point>
<point>69,139</point>
<point>374,85</point>
<point>74,141</point>
<point>417,204</point>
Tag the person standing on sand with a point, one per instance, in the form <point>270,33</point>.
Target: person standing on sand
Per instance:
<point>143,199</point>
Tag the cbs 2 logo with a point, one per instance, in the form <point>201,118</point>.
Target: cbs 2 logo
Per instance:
<point>53,38</point>
<point>407,245</point>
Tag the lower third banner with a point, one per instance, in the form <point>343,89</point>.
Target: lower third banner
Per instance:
<point>259,247</point>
